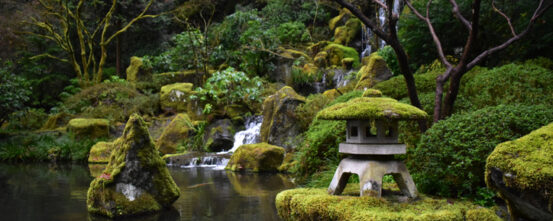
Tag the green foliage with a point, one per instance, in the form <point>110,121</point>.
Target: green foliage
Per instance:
<point>42,147</point>
<point>29,119</point>
<point>388,54</point>
<point>183,55</point>
<point>195,142</point>
<point>450,158</point>
<point>485,197</point>
<point>228,87</point>
<point>320,146</point>
<point>396,88</point>
<point>540,61</point>
<point>14,92</point>
<point>308,110</point>
<point>113,101</point>
<point>291,32</point>
<point>508,84</point>
<point>301,78</point>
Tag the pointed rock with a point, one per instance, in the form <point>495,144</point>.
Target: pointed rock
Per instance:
<point>136,180</point>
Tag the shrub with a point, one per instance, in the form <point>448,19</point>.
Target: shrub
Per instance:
<point>30,119</point>
<point>396,88</point>
<point>113,101</point>
<point>13,91</point>
<point>183,55</point>
<point>508,84</point>
<point>43,147</point>
<point>320,146</point>
<point>230,87</point>
<point>450,158</point>
<point>388,54</point>
<point>307,111</point>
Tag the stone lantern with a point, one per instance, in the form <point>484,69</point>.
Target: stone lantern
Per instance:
<point>372,142</point>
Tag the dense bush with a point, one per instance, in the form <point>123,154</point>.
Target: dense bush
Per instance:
<point>396,88</point>
<point>29,119</point>
<point>185,53</point>
<point>113,101</point>
<point>43,147</point>
<point>450,158</point>
<point>14,91</point>
<point>508,84</point>
<point>229,87</point>
<point>388,54</point>
<point>320,146</point>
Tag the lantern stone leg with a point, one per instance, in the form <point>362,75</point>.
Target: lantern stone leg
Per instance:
<point>370,174</point>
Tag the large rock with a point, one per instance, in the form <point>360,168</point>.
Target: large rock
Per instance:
<point>100,152</point>
<point>261,157</point>
<point>327,54</point>
<point>56,121</point>
<point>137,72</point>
<point>346,33</point>
<point>136,180</point>
<point>174,133</point>
<point>280,124</point>
<point>175,97</point>
<point>187,76</point>
<point>521,171</point>
<point>373,71</point>
<point>219,135</point>
<point>88,127</point>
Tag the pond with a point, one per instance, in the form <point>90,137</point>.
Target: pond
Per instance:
<point>58,192</point>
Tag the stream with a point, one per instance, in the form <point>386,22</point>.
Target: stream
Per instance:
<point>58,192</point>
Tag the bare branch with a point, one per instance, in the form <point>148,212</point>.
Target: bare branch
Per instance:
<point>513,32</point>
<point>458,14</point>
<point>137,18</point>
<point>381,4</point>
<point>540,10</point>
<point>47,55</point>
<point>367,21</point>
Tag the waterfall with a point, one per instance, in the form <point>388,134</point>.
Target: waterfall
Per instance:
<point>365,41</point>
<point>219,161</point>
<point>250,135</point>
<point>343,77</point>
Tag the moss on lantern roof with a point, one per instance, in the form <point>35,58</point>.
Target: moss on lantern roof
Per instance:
<point>369,108</point>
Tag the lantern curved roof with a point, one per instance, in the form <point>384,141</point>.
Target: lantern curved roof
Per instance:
<point>372,108</point>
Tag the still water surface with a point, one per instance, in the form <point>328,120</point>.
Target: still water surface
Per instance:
<point>48,192</point>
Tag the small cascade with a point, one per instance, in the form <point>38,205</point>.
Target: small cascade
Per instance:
<point>366,42</point>
<point>219,161</point>
<point>250,135</point>
<point>320,87</point>
<point>343,77</point>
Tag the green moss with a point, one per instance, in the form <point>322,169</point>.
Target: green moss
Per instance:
<point>529,159</point>
<point>177,131</point>
<point>175,97</point>
<point>331,94</point>
<point>372,108</point>
<point>367,74</point>
<point>56,121</point>
<point>100,152</point>
<point>396,88</point>
<point>135,151</point>
<point>317,204</point>
<point>345,34</point>
<point>372,93</point>
<point>337,52</point>
<point>272,104</point>
<point>133,69</point>
<point>347,63</point>
<point>88,127</point>
<point>334,21</point>
<point>261,157</point>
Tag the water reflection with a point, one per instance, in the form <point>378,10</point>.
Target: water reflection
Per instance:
<point>58,192</point>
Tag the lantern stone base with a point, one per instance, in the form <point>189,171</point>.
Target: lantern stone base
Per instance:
<point>370,172</point>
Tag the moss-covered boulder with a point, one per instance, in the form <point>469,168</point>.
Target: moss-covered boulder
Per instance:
<point>332,55</point>
<point>137,72</point>
<point>317,204</point>
<point>186,76</point>
<point>521,171</point>
<point>219,135</point>
<point>175,97</point>
<point>88,127</point>
<point>372,93</point>
<point>136,180</point>
<point>56,121</point>
<point>373,72</point>
<point>280,123</point>
<point>331,94</point>
<point>178,130</point>
<point>345,34</point>
<point>261,157</point>
<point>100,152</point>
